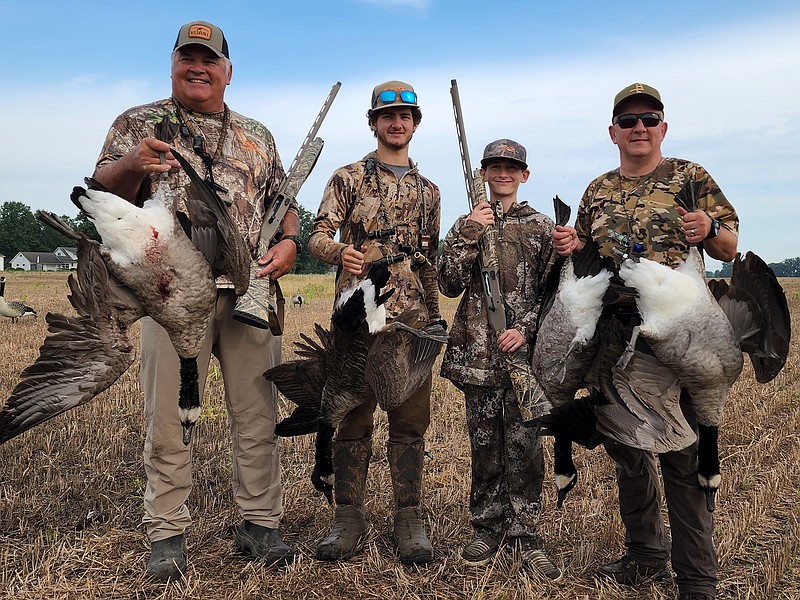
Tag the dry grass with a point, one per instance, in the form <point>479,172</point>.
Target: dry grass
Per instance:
<point>70,496</point>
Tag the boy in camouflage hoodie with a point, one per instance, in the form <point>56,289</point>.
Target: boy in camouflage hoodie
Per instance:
<point>507,460</point>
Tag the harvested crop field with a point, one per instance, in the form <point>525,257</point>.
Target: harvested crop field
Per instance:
<point>71,508</point>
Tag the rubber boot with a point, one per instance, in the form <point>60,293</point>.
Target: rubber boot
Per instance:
<point>350,464</point>
<point>405,464</point>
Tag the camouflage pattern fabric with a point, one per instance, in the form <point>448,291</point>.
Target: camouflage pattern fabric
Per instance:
<point>525,256</point>
<point>507,467</point>
<point>369,192</point>
<point>249,165</point>
<point>638,216</point>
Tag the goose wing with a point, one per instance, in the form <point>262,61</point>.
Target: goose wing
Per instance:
<point>400,359</point>
<point>302,382</point>
<point>756,305</point>
<point>214,231</point>
<point>82,355</point>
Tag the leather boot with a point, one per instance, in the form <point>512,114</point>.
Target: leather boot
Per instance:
<point>405,464</point>
<point>350,464</point>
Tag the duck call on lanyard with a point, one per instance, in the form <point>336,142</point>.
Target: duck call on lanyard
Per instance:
<point>517,365</point>
<point>258,306</point>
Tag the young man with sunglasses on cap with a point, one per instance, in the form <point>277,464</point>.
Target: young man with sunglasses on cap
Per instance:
<point>507,459</point>
<point>383,191</point>
<point>240,160</point>
<point>632,211</point>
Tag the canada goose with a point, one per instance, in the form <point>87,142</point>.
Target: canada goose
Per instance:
<point>698,333</point>
<point>298,300</point>
<point>360,353</point>
<point>147,251</point>
<point>12,308</point>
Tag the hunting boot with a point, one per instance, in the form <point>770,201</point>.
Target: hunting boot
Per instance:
<point>405,463</point>
<point>350,464</point>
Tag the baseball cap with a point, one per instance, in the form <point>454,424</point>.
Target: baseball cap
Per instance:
<point>505,148</point>
<point>637,89</point>
<point>404,95</point>
<point>205,34</point>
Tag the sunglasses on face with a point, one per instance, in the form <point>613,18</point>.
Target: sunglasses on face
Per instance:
<point>406,96</point>
<point>628,121</point>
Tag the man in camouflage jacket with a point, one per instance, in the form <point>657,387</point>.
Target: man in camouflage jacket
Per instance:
<point>632,211</point>
<point>383,191</point>
<point>507,460</point>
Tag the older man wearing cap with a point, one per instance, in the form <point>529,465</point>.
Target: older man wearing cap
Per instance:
<point>383,191</point>
<point>507,459</point>
<point>239,159</point>
<point>632,211</point>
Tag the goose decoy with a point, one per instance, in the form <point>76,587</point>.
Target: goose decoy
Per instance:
<point>13,309</point>
<point>147,252</point>
<point>360,354</point>
<point>298,300</point>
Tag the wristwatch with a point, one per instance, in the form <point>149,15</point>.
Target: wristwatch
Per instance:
<point>296,241</point>
<point>714,231</point>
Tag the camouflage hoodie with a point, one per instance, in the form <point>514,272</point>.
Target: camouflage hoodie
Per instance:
<point>368,191</point>
<point>525,256</point>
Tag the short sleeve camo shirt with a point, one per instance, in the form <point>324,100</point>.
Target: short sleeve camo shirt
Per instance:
<point>639,216</point>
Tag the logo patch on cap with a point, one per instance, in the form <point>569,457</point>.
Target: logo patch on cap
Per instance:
<point>200,31</point>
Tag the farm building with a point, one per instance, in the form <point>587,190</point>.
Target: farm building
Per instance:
<point>61,259</point>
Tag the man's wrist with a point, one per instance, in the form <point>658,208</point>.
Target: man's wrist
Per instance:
<point>298,244</point>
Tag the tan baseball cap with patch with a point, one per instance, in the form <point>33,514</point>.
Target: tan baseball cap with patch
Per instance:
<point>205,34</point>
<point>637,89</point>
<point>393,93</point>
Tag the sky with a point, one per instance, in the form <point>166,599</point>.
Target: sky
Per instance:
<point>542,73</point>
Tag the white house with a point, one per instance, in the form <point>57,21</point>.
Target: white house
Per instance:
<point>63,259</point>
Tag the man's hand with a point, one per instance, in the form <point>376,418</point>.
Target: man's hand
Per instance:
<point>696,225</point>
<point>353,260</point>
<point>278,260</point>
<point>510,340</point>
<point>152,156</point>
<point>565,240</point>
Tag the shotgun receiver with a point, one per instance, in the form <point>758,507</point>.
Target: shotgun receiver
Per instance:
<point>526,387</point>
<point>257,306</point>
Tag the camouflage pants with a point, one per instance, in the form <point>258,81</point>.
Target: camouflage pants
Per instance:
<point>507,466</point>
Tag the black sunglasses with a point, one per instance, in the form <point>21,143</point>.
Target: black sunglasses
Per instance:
<point>628,121</point>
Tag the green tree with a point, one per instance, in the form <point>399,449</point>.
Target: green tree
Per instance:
<point>18,229</point>
<point>787,268</point>
<point>305,263</point>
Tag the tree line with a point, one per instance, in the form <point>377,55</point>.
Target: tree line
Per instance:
<point>21,231</point>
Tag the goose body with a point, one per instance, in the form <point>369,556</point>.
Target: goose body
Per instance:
<point>298,300</point>
<point>361,354</point>
<point>147,260</point>
<point>13,309</point>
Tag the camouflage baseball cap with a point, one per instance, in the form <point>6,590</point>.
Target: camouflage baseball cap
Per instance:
<point>205,34</point>
<point>637,89</point>
<point>393,93</point>
<point>504,149</point>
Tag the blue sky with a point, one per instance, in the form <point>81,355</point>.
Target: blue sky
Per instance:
<point>543,73</point>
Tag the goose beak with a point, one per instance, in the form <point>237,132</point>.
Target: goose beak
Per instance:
<point>324,484</point>
<point>711,500</point>
<point>187,433</point>
<point>564,485</point>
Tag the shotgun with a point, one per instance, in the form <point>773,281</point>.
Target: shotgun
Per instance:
<point>258,306</point>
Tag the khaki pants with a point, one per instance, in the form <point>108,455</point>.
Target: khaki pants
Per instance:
<point>244,353</point>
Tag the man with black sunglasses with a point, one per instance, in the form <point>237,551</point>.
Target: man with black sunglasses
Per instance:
<point>239,159</point>
<point>633,211</point>
<point>385,193</point>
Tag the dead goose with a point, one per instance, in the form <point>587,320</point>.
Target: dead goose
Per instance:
<point>700,336</point>
<point>147,251</point>
<point>13,309</point>
<point>361,354</point>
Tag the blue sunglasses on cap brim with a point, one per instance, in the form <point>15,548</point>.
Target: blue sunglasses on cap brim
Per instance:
<point>406,96</point>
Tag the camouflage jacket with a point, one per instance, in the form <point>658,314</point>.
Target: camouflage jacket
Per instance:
<point>369,192</point>
<point>525,254</point>
<point>639,216</point>
<point>249,165</point>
